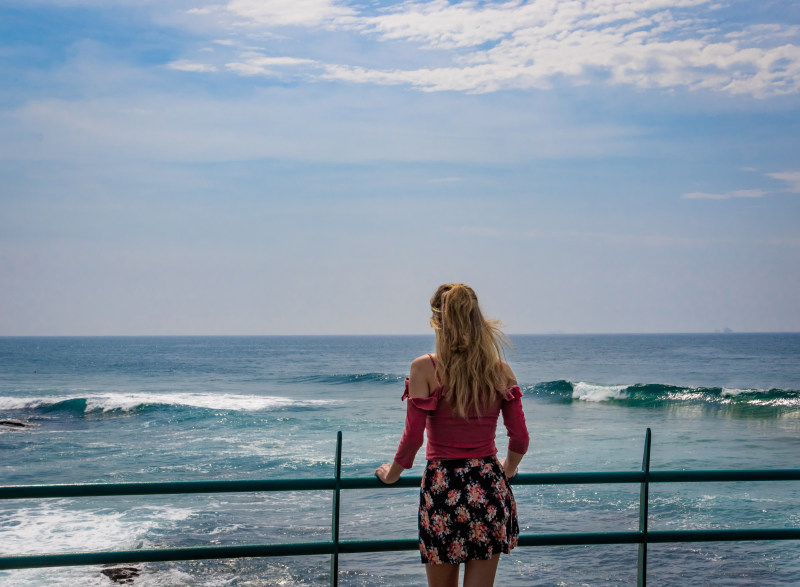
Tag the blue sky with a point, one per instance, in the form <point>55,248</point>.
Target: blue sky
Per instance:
<point>320,166</point>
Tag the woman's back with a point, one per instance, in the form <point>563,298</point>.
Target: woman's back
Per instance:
<point>450,435</point>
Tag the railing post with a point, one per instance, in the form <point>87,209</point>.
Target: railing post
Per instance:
<point>335,517</point>
<point>644,496</point>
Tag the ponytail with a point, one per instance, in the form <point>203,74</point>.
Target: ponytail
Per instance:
<point>469,350</point>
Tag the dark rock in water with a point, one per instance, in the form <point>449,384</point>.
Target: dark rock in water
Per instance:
<point>14,424</point>
<point>121,575</point>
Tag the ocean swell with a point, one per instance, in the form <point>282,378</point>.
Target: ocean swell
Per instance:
<point>348,378</point>
<point>134,402</point>
<point>658,394</point>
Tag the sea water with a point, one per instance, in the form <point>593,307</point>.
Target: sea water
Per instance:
<point>200,408</point>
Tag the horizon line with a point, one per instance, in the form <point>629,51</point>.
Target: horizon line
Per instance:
<point>343,335</point>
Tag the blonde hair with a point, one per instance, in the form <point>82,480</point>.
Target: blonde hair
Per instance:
<point>469,350</point>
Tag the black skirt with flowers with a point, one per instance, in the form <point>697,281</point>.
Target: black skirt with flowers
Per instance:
<point>466,511</point>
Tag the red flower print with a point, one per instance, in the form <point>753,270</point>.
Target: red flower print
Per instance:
<point>439,522</point>
<point>439,481</point>
<point>456,551</point>
<point>475,494</point>
<point>500,532</point>
<point>463,515</point>
<point>453,496</point>
<point>425,520</point>
<point>500,489</point>
<point>491,512</point>
<point>478,532</point>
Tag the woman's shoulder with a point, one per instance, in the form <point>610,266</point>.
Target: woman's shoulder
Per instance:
<point>508,373</point>
<point>424,367</point>
<point>424,362</point>
<point>423,377</point>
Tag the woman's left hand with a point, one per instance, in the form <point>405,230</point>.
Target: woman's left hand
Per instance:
<point>506,466</point>
<point>387,473</point>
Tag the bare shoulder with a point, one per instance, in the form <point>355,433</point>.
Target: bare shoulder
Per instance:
<point>422,375</point>
<point>509,373</point>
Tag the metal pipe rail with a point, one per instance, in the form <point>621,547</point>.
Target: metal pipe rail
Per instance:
<point>335,546</point>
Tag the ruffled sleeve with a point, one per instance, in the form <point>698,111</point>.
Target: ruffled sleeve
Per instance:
<point>512,393</point>
<point>414,431</point>
<point>514,421</point>
<point>424,403</point>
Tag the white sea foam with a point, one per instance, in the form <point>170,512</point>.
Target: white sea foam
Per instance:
<point>591,392</point>
<point>128,401</point>
<point>91,576</point>
<point>733,392</point>
<point>685,396</point>
<point>774,402</point>
<point>55,526</point>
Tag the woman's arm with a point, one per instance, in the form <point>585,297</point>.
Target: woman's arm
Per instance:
<point>514,420</point>
<point>419,386</point>
<point>511,463</point>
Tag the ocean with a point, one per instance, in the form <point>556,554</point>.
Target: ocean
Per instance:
<point>199,408</point>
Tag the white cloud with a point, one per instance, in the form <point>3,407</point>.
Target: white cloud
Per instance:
<point>516,44</point>
<point>791,177</point>
<point>257,64</point>
<point>288,12</point>
<point>725,196</point>
<point>185,65</point>
<point>203,11</point>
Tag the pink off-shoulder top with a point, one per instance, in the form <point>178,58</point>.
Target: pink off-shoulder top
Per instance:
<point>451,436</point>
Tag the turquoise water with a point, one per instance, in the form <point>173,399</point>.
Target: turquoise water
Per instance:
<point>163,409</point>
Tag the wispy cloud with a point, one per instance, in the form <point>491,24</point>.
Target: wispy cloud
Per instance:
<point>185,65</point>
<point>492,46</point>
<point>791,177</point>
<point>256,64</point>
<point>288,12</point>
<point>725,195</point>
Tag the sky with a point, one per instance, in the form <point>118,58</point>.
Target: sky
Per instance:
<point>203,167</point>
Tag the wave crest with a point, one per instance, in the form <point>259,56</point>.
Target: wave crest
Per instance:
<point>132,402</point>
<point>658,394</point>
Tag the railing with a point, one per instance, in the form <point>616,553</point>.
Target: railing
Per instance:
<point>335,546</point>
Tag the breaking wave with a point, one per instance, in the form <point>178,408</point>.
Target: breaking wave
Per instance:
<point>656,394</point>
<point>133,402</point>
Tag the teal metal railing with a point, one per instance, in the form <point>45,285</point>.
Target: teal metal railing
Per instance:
<point>642,537</point>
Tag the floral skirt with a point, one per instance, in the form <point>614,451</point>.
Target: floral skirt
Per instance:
<point>466,511</point>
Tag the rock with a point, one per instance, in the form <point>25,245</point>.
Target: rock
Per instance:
<point>14,424</point>
<point>121,575</point>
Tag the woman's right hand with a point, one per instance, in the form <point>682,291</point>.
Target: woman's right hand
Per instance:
<point>388,473</point>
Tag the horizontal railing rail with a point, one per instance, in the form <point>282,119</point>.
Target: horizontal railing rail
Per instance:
<point>335,546</point>
<point>328,484</point>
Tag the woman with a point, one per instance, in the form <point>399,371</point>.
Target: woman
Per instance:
<point>467,512</point>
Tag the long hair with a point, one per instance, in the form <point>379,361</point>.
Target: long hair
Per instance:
<point>469,349</point>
